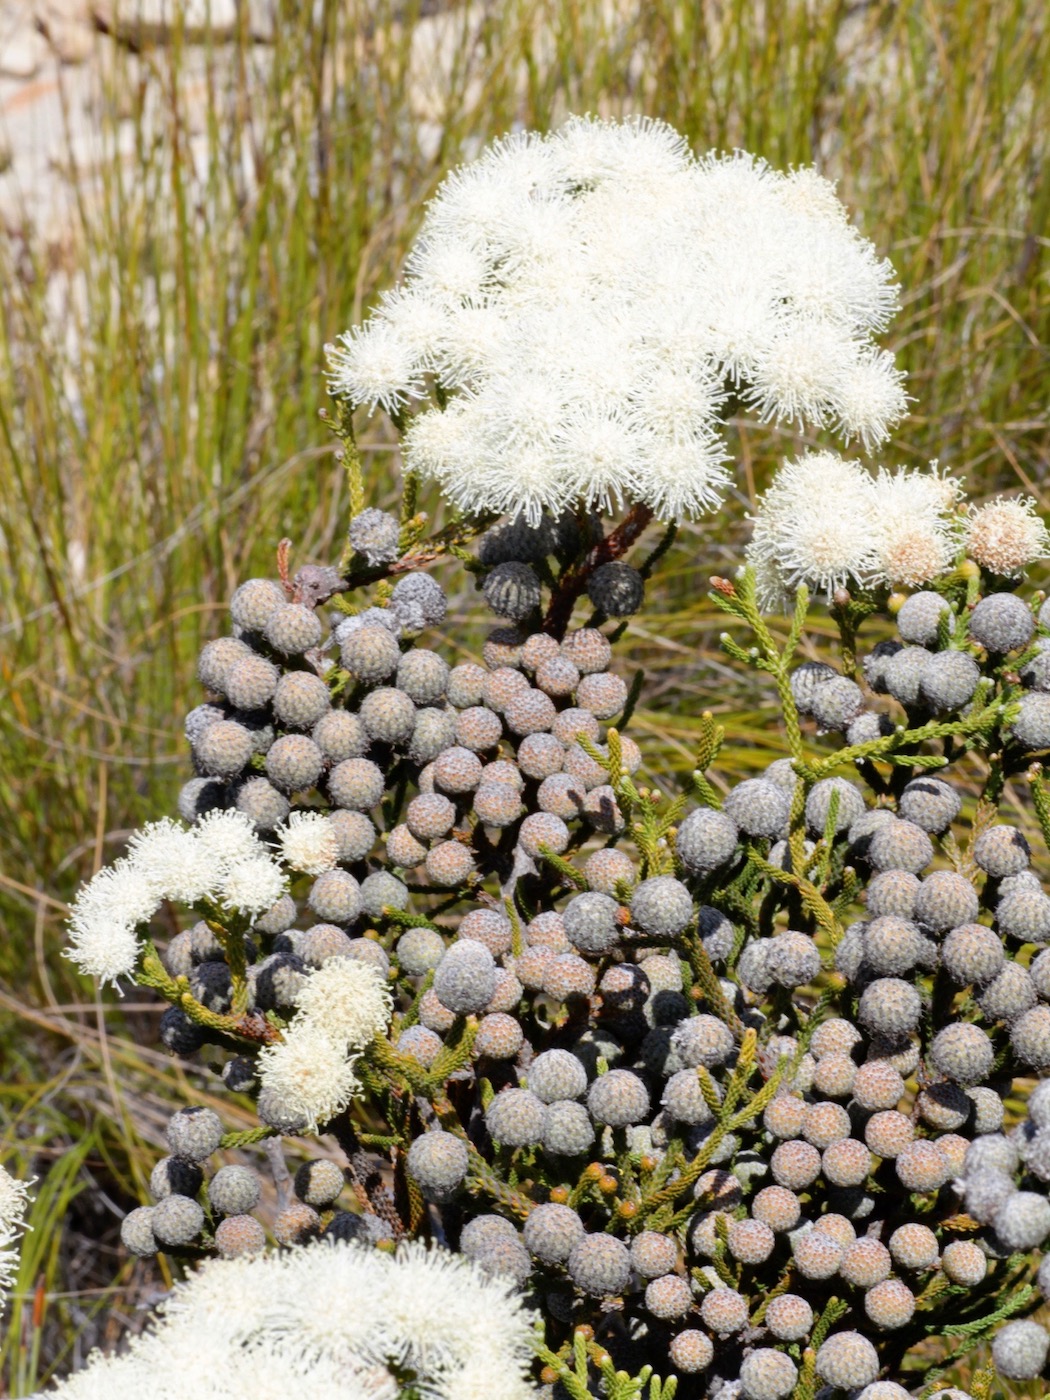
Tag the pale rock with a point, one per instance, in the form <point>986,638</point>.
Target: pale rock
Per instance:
<point>141,22</point>
<point>23,51</point>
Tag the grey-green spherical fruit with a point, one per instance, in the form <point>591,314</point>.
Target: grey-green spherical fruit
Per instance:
<point>388,715</point>
<point>319,1183</point>
<point>556,1075</point>
<point>706,840</point>
<point>1030,1038</point>
<point>930,803</point>
<point>419,602</point>
<point>889,1007</point>
<point>194,1133</point>
<point>806,680</point>
<point>466,977</point>
<point>900,845</point>
<point>600,1265</point>
<point>252,682</point>
<point>552,1232</point>
<point>1019,1350</point>
<point>919,617</point>
<point>618,1099</point>
<point>948,681</point>
<point>818,805</point>
<point>1002,622</point>
<point>375,534</point>
<point>1024,914</point>
<point>370,653</point>
<point>758,807</point>
<point>946,900</point>
<point>1031,728</point>
<point>418,950</point>
<point>438,1161</point>
<point>380,891</point>
<point>356,784</point>
<point>963,1053</point>
<point>516,1118</point>
<point>837,703</point>
<point>661,906</point>
<point>591,922</point>
<point>136,1232</point>
<point>972,954</point>
<point>354,833</point>
<point>225,749</point>
<point>301,699</point>
<point>847,1360</point>
<point>339,734</point>
<point>512,590</point>
<point>262,804</point>
<point>294,763</point>
<point>567,1129</point>
<point>234,1190</point>
<point>177,1220</point>
<point>1002,851</point>
<point>335,897</point>
<point>254,601</point>
<point>767,1374</point>
<point>292,629</point>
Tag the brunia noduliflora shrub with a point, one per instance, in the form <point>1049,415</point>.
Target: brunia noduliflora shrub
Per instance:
<point>715,1081</point>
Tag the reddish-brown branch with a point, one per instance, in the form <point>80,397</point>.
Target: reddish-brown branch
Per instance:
<point>574,581</point>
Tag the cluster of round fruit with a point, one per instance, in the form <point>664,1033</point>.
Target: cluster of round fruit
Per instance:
<point>936,667</point>
<point>194,1215</point>
<point>624,1010</point>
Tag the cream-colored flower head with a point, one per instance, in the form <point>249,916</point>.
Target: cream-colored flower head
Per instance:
<point>308,1076</point>
<point>1006,535</point>
<point>916,526</point>
<point>585,299</point>
<point>339,1009</point>
<point>812,527</point>
<point>347,999</point>
<point>334,1321</point>
<point>308,843</point>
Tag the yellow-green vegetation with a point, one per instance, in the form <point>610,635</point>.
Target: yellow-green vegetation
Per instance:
<point>160,382</point>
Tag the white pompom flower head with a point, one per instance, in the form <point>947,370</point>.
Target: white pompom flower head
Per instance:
<point>584,299</point>
<point>829,524</point>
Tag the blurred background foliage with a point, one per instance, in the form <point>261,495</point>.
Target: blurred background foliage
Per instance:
<point>160,381</point>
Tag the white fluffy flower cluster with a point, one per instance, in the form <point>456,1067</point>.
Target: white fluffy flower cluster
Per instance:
<point>309,1075</point>
<point>14,1200</point>
<point>219,859</point>
<point>585,300</point>
<point>830,523</point>
<point>331,1321</point>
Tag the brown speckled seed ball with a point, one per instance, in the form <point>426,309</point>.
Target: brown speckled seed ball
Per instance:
<point>795,1164</point>
<point>238,1235</point>
<point>922,1166</point>
<point>888,1133</point>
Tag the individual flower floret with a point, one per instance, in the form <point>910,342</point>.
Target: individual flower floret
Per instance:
<point>306,1079</point>
<point>180,865</point>
<point>1006,535</point>
<point>915,532</point>
<point>253,885</point>
<point>813,527</point>
<point>345,998</point>
<point>308,843</point>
